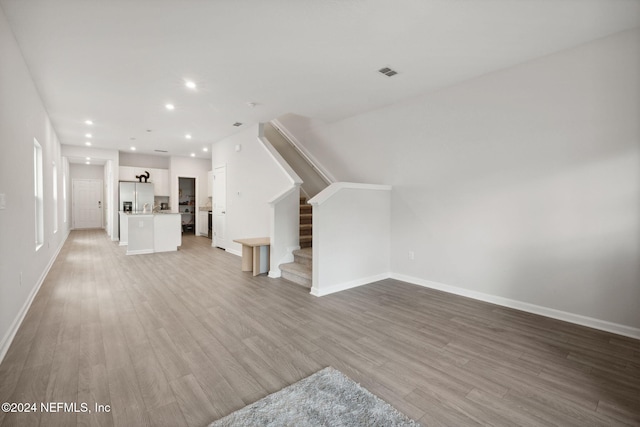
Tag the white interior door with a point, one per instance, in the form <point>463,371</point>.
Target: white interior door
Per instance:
<point>87,203</point>
<point>219,207</point>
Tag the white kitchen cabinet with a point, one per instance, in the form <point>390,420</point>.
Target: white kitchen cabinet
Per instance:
<point>210,184</point>
<point>141,171</point>
<point>129,173</point>
<point>160,179</point>
<point>203,223</point>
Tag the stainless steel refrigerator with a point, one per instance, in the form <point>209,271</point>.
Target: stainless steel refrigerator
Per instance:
<point>134,195</point>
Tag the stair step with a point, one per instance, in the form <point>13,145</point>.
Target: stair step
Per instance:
<point>296,273</point>
<point>306,229</point>
<point>306,209</point>
<point>303,256</point>
<point>306,218</point>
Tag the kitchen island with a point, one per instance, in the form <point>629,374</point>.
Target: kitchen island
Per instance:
<point>146,233</point>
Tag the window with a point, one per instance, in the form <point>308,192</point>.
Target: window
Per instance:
<point>55,198</point>
<point>38,193</point>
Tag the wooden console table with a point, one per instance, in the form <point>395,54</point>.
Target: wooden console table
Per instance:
<point>251,249</point>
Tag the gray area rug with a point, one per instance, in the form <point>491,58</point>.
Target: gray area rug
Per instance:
<point>326,398</point>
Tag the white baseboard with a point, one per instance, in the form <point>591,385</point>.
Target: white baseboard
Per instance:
<point>234,252</point>
<point>274,273</point>
<point>348,285</point>
<point>577,319</point>
<point>11,333</point>
<point>140,252</point>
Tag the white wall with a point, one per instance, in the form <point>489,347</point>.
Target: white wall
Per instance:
<point>284,229</point>
<point>23,118</point>
<point>77,171</point>
<point>144,160</point>
<point>351,236</point>
<point>253,179</point>
<point>519,187</point>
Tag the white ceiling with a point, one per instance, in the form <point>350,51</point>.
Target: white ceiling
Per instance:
<point>118,62</point>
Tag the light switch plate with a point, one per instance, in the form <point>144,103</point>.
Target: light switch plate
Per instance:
<point>3,201</point>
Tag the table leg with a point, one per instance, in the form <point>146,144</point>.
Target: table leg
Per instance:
<point>247,258</point>
<point>256,260</point>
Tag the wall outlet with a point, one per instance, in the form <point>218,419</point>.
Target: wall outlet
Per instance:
<point>412,255</point>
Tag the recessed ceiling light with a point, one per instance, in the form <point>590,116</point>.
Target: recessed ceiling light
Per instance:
<point>170,107</point>
<point>193,154</point>
<point>87,163</point>
<point>88,135</point>
<point>88,122</point>
<point>87,143</point>
<point>205,149</point>
<point>190,84</point>
<point>133,148</point>
<point>88,158</point>
<point>188,136</point>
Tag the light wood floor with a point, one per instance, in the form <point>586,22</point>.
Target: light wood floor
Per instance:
<point>181,339</point>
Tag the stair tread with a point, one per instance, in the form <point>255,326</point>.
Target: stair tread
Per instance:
<point>304,253</point>
<point>297,269</point>
<point>305,238</point>
<point>305,226</point>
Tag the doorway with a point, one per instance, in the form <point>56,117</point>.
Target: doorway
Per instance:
<point>87,203</point>
<point>187,204</point>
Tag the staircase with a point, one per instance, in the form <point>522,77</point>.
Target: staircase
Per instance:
<point>299,271</point>
<point>306,226</point>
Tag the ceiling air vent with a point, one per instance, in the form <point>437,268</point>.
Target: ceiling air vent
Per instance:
<point>387,71</point>
<point>161,151</point>
<point>237,124</point>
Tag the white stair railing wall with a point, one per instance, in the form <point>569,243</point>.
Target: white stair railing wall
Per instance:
<point>351,236</point>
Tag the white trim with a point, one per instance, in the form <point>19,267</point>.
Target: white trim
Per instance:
<point>13,330</point>
<point>577,319</point>
<point>325,174</point>
<point>348,285</point>
<point>284,194</point>
<point>334,188</point>
<point>234,252</point>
